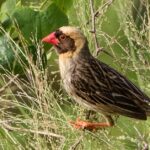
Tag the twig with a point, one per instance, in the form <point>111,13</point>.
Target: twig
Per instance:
<point>74,146</point>
<point>93,24</point>
<point>106,5</point>
<point>8,127</point>
<point>145,144</point>
<point>93,30</point>
<point>8,83</point>
<point>101,8</point>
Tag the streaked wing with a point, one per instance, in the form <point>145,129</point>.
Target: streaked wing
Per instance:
<point>98,84</point>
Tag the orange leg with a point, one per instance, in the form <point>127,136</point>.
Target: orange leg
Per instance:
<point>79,124</point>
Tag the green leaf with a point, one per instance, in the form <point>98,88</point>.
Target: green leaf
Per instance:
<point>6,54</point>
<point>4,49</point>
<point>64,5</point>
<point>10,56</point>
<point>32,24</point>
<point>52,18</point>
<point>7,9</point>
<point>26,20</point>
<point>1,2</point>
<point>39,24</point>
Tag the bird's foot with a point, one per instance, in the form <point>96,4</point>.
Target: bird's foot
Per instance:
<point>79,124</point>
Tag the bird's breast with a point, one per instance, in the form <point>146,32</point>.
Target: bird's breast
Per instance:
<point>66,67</point>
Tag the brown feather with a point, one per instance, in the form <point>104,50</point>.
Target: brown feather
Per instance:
<point>96,85</point>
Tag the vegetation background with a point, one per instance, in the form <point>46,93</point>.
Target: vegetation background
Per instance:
<point>34,109</point>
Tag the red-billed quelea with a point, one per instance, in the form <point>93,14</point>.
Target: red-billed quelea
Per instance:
<point>94,84</point>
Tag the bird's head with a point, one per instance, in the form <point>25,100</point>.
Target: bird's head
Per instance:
<point>66,40</point>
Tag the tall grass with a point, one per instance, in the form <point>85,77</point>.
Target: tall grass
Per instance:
<point>35,111</point>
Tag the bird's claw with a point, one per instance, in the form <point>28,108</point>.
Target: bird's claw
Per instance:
<point>79,124</point>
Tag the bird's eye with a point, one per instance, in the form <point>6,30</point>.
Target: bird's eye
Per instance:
<point>62,37</point>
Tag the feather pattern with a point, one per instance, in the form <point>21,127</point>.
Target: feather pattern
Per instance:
<point>102,87</point>
<point>95,84</point>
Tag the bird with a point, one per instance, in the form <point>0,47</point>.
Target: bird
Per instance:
<point>94,84</point>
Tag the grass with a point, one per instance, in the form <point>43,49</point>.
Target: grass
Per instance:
<point>35,110</point>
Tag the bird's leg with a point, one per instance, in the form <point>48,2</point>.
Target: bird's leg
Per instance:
<point>89,114</point>
<point>79,124</point>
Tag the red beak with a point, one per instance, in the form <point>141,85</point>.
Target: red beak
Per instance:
<point>51,38</point>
